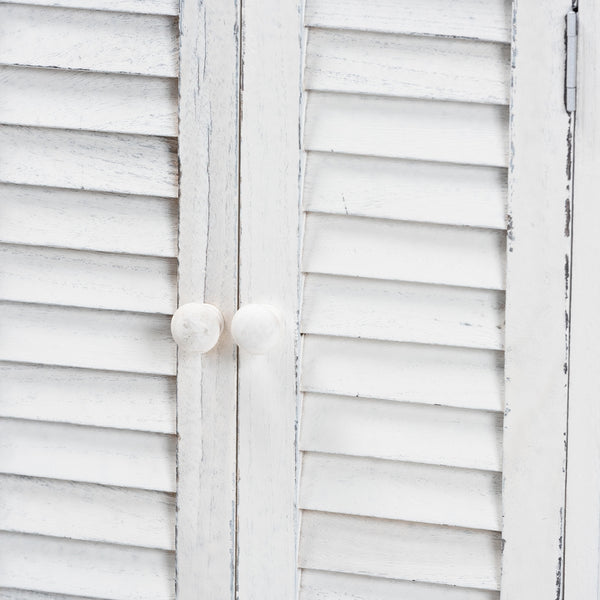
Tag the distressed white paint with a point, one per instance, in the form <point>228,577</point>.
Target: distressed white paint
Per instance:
<point>41,216</point>
<point>582,535</point>
<point>407,66</point>
<point>536,306</point>
<point>126,164</point>
<point>458,132</point>
<point>401,490</point>
<point>158,7</point>
<point>407,190</point>
<point>56,98</point>
<point>87,512</point>
<point>399,311</point>
<point>478,19</point>
<point>88,397</point>
<point>401,431</point>
<point>206,384</point>
<point>95,455</point>
<point>400,550</point>
<point>40,36</point>
<point>91,569</point>
<point>269,209</point>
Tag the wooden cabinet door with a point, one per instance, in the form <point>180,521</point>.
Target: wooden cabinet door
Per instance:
<point>389,183</point>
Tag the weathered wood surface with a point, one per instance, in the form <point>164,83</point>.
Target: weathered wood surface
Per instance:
<point>537,306</point>
<point>269,207</point>
<point>158,7</point>
<point>582,538</point>
<point>90,40</point>
<point>208,256</point>
<point>477,19</point>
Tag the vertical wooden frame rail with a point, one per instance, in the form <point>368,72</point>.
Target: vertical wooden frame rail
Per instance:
<point>208,237</point>
<point>537,308</point>
<point>582,536</point>
<point>269,207</point>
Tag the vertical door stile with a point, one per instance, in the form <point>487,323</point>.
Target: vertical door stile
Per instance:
<point>269,207</point>
<point>208,232</point>
<point>582,535</point>
<point>537,307</point>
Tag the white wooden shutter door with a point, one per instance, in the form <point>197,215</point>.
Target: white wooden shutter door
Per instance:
<point>412,144</point>
<point>88,281</point>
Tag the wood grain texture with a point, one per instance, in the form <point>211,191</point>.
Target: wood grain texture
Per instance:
<point>537,305</point>
<point>478,19</point>
<point>85,568</point>
<point>409,66</point>
<point>459,377</point>
<point>366,186</point>
<point>400,550</point>
<point>401,490</point>
<point>269,223</point>
<point>102,162</point>
<point>79,337</point>
<point>433,435</point>
<point>88,397</point>
<point>323,585</point>
<point>87,279</point>
<point>81,220</point>
<point>93,455</point>
<point>157,7</point>
<point>582,542</point>
<point>418,252</point>
<point>208,256</point>
<point>56,98</point>
<point>18,594</point>
<point>404,312</point>
<point>91,40</point>
<point>87,512</point>
<point>457,132</point>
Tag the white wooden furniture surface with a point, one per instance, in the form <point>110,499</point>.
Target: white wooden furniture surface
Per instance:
<point>384,190</point>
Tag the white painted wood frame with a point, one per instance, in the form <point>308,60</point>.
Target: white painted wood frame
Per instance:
<point>268,273</point>
<point>208,237</point>
<point>537,309</point>
<point>582,538</point>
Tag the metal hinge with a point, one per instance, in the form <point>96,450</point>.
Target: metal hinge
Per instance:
<point>571,64</point>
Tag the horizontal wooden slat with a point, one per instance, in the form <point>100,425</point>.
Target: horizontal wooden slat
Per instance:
<point>87,512</point>
<point>88,397</point>
<point>93,101</point>
<point>433,435</point>
<point>410,66</point>
<point>127,164</point>
<point>459,377</point>
<point>16,594</point>
<point>457,132</point>
<point>324,585</point>
<point>88,454</point>
<point>400,490</point>
<point>486,20</point>
<point>85,568</point>
<point>88,220</point>
<point>419,252</point>
<point>390,310</point>
<point>158,7</point>
<point>409,190</point>
<point>41,36</point>
<point>78,337</point>
<point>89,279</point>
<point>400,550</point>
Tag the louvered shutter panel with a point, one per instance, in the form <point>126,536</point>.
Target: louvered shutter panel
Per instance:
<point>418,178</point>
<point>88,281</point>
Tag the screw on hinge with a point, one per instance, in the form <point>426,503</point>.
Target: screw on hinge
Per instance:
<point>571,64</point>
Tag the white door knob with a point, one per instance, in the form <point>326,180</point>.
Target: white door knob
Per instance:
<point>256,328</point>
<point>197,327</point>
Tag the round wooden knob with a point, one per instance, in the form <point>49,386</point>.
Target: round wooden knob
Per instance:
<point>256,328</point>
<point>197,327</point>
